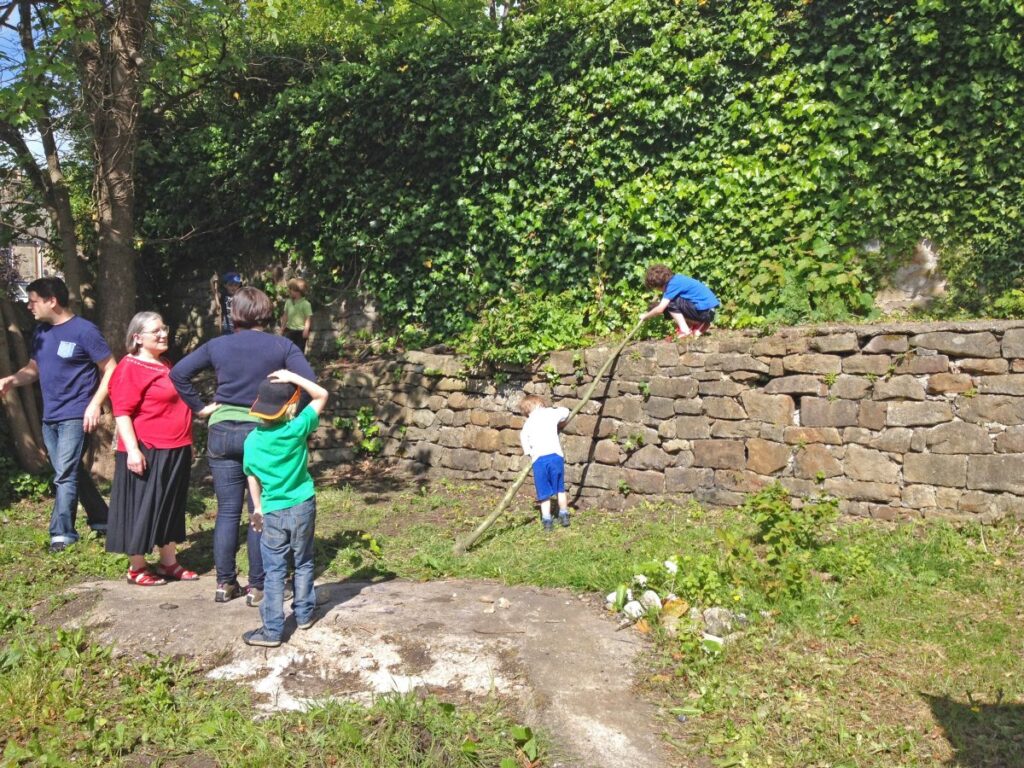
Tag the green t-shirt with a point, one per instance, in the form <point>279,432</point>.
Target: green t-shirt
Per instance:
<point>277,455</point>
<point>296,312</point>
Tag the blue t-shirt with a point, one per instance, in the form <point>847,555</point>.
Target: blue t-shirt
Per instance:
<point>692,290</point>
<point>67,355</point>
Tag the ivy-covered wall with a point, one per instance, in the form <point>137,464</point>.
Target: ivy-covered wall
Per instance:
<point>506,190</point>
<point>897,420</point>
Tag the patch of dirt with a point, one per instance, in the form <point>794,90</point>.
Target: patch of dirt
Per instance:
<point>75,606</point>
<point>556,660</point>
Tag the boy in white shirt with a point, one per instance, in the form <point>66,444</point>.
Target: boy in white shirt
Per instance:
<point>540,441</point>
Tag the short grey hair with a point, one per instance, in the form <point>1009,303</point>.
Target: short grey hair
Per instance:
<point>136,326</point>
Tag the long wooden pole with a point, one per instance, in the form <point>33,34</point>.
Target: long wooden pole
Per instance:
<point>462,546</point>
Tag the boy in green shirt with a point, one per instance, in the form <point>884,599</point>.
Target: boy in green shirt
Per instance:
<point>284,504</point>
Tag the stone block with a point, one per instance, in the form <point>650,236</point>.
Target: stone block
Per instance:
<point>1017,366</point>
<point>561,362</point>
<point>510,438</point>
<point>667,429</point>
<point>774,409</point>
<point>766,457</point>
<point>479,418</point>
<point>808,435</point>
<point>918,496</point>
<point>687,479</point>
<point>457,401</point>
<point>450,437</point>
<point>899,388</point>
<point>719,454</point>
<point>596,357</point>
<point>859,490</point>
<point>999,472</point>
<point>935,469</point>
<point>982,344</point>
<point>747,377</point>
<point>943,383</point>
<point>721,388</point>
<point>918,365</point>
<point>958,437</point>
<point>820,412</point>
<point>728,363</point>
<point>740,480</point>
<point>445,416</point>
<point>815,461</point>
<point>718,497</point>
<point>812,363</point>
<point>577,448</point>
<point>802,384</point>
<point>691,407</point>
<point>984,366</point>
<point>450,384</point>
<point>873,364</point>
<point>888,512</point>
<point>468,460</point>
<point>1008,384</point>
<point>481,439</point>
<point>779,345</point>
<point>676,447</point>
<point>895,440</point>
<point>723,408</point>
<point>835,343</point>
<point>645,482</point>
<point>423,418</point>
<point>649,457</point>
<point>773,432</point>
<point>978,503</point>
<point>887,343</point>
<point>850,387</point>
<point>867,464</point>
<point>871,414</point>
<point>692,427</point>
<point>775,367</point>
<point>918,414</point>
<point>629,366</point>
<point>1011,441</point>
<point>1013,343</point>
<point>735,429</point>
<point>996,409</point>
<point>624,408</point>
<point>637,435</point>
<point>672,386</point>
<point>660,407</point>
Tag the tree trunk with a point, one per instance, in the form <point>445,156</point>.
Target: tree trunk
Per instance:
<point>111,67</point>
<point>19,358</point>
<point>29,452</point>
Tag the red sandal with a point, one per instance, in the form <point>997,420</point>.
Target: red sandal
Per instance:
<point>176,572</point>
<point>144,578</point>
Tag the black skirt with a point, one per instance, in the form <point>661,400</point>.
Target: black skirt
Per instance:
<point>148,510</point>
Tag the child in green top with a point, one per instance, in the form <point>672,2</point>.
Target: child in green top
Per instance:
<point>284,504</point>
<point>298,314</point>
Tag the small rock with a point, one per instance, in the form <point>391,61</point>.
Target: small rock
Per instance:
<point>489,609</point>
<point>610,597</point>
<point>718,621</point>
<point>633,610</point>
<point>709,638</point>
<point>485,599</point>
<point>503,603</point>
<point>650,599</point>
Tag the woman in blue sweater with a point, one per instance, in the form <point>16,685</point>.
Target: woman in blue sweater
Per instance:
<point>240,361</point>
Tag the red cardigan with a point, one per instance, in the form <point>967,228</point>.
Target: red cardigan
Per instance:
<point>143,390</point>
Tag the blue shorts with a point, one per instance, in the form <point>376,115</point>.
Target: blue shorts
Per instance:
<point>549,476</point>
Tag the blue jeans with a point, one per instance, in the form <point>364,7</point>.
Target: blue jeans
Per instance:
<point>224,444</point>
<point>65,443</point>
<point>284,531</point>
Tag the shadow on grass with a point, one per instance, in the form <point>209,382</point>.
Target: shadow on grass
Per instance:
<point>982,735</point>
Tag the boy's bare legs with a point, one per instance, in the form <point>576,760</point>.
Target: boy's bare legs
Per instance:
<point>683,328</point>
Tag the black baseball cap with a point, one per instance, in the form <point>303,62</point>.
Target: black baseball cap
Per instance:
<point>273,399</point>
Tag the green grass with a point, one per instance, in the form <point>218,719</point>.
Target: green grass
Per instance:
<point>905,647</point>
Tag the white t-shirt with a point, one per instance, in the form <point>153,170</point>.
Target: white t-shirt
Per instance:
<point>540,432</point>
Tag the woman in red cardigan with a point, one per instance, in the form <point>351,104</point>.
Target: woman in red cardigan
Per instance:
<point>153,458</point>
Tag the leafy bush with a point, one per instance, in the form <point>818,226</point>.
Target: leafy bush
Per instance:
<point>508,188</point>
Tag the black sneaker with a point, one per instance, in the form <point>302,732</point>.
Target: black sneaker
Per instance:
<point>261,638</point>
<point>563,518</point>
<point>253,597</point>
<point>308,623</point>
<point>228,592</point>
<point>57,547</point>
<point>549,525</point>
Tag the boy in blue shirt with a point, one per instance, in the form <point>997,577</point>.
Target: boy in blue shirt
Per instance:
<point>689,302</point>
<point>284,504</point>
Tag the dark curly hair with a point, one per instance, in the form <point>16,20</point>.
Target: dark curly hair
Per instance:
<point>658,276</point>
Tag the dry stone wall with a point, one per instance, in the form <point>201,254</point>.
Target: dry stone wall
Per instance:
<point>897,420</point>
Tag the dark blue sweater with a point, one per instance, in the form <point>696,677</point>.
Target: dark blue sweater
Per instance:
<point>241,361</point>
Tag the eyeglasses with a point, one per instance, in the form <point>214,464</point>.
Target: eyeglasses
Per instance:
<point>162,331</point>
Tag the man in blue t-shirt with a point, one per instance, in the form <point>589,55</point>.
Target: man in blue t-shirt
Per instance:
<point>73,365</point>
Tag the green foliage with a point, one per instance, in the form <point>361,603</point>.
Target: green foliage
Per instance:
<point>507,188</point>
<point>16,484</point>
<point>370,441</point>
